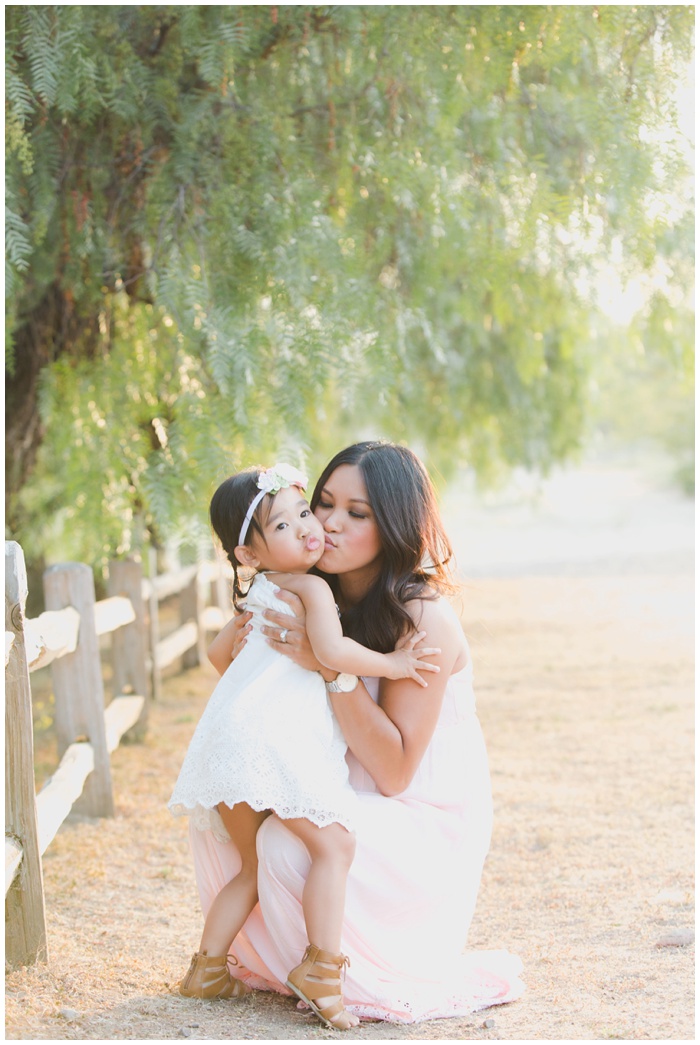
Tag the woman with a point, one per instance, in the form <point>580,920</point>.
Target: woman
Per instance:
<point>417,762</point>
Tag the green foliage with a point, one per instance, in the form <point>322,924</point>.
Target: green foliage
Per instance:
<point>645,397</point>
<point>287,227</point>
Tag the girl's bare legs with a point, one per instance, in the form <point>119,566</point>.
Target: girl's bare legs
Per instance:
<point>239,896</point>
<point>209,975</point>
<point>331,849</point>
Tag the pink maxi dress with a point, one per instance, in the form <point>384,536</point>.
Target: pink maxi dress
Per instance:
<point>411,891</point>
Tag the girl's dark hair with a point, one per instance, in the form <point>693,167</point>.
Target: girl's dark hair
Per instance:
<point>227,511</point>
<point>415,547</point>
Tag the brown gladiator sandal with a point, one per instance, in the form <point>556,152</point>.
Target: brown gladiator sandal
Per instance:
<point>210,978</point>
<point>312,980</point>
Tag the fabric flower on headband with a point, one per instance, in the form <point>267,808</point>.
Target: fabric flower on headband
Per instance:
<point>272,480</point>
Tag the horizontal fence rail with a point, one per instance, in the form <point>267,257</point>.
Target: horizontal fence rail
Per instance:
<point>66,637</point>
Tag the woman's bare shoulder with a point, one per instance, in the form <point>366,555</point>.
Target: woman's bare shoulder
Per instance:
<point>433,612</point>
<point>443,628</point>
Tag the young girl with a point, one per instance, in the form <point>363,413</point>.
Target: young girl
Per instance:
<point>268,740</point>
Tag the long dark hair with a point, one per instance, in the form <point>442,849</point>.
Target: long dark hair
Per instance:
<point>415,547</point>
<point>227,510</point>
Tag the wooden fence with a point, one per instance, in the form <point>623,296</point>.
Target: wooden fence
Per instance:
<point>66,636</point>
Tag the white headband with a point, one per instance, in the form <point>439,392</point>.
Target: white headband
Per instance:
<point>271,481</point>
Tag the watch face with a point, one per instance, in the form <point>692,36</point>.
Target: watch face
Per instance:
<point>346,682</point>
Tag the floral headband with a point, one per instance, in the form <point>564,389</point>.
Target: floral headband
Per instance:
<point>272,480</point>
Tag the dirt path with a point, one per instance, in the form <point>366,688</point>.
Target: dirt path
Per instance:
<point>585,689</point>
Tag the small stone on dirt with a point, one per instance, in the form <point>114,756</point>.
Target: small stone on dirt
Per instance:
<point>488,1024</point>
<point>677,939</point>
<point>68,1014</point>
<point>184,1032</point>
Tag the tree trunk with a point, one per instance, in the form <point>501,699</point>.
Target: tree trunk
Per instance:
<point>51,328</point>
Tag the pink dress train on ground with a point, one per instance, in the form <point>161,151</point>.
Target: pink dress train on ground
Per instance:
<point>411,892</point>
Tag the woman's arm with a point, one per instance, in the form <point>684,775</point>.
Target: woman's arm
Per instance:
<point>336,651</point>
<point>389,739</point>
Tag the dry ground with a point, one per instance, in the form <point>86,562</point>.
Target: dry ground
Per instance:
<point>585,688</point>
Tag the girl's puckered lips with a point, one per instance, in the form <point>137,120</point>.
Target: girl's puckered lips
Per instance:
<point>312,543</point>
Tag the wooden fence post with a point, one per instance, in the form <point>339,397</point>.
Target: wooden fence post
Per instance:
<point>153,624</point>
<point>78,686</point>
<point>25,918</point>
<point>191,609</point>
<point>129,642</point>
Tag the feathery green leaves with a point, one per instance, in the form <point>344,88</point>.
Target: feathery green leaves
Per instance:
<point>240,232</point>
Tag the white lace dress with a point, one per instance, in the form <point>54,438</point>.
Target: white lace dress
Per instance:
<point>267,737</point>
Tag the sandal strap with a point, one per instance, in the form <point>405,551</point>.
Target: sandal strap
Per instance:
<point>235,989</point>
<point>319,973</point>
<point>329,1012</point>
<point>209,976</point>
<point>314,955</point>
<point>314,988</point>
<point>318,976</point>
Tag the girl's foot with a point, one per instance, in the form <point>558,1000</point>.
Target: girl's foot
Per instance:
<point>317,982</point>
<point>210,978</point>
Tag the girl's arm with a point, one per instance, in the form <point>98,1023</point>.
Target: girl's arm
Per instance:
<point>228,642</point>
<point>390,738</point>
<point>336,651</point>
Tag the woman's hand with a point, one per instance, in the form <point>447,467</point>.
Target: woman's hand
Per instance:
<point>287,634</point>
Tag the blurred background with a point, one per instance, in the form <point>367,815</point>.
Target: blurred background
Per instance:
<point>236,234</point>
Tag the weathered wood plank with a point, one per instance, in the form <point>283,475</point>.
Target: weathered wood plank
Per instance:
<point>13,858</point>
<point>112,613</point>
<point>61,791</point>
<point>25,919</point>
<point>129,644</point>
<point>175,644</point>
<point>191,606</point>
<point>153,626</point>
<point>168,584</point>
<point>78,686</point>
<point>213,618</point>
<point>121,715</point>
<point>211,569</point>
<point>51,635</point>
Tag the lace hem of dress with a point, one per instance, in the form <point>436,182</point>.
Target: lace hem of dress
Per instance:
<point>210,820</point>
<point>450,1008</point>
<point>481,988</point>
